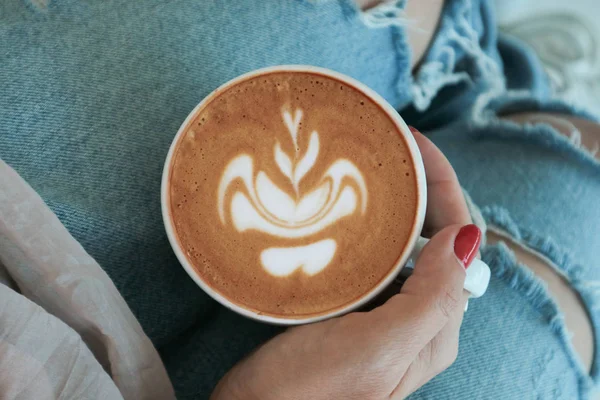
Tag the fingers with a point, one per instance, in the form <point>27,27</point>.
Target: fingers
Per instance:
<point>418,328</point>
<point>445,201</point>
<point>435,357</point>
<point>431,299</point>
<point>436,284</point>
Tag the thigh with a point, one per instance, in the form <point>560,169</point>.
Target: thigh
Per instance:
<point>585,135</point>
<point>538,190</point>
<point>92,94</point>
<point>533,182</point>
<point>582,133</point>
<point>567,299</point>
<point>511,346</point>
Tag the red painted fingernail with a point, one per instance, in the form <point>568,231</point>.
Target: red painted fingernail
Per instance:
<point>467,243</point>
<point>413,129</point>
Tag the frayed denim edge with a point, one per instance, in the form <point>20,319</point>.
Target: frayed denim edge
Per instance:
<point>539,132</point>
<point>388,15</point>
<point>40,7</point>
<point>504,265</point>
<point>438,68</point>
<point>476,215</point>
<point>384,15</point>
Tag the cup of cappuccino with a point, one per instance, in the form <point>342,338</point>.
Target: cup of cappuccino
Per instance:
<point>293,194</point>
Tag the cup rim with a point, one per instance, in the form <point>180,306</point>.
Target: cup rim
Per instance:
<point>392,273</point>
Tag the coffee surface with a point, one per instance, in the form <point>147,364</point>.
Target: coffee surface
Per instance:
<point>292,194</point>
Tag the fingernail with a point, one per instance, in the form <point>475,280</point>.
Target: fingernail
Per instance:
<point>467,243</point>
<point>413,129</point>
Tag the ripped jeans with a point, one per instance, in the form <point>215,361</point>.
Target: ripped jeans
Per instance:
<point>538,188</point>
<point>92,93</point>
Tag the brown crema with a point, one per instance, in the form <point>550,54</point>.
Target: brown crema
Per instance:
<point>247,119</point>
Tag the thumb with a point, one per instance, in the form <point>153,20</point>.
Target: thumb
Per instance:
<point>430,296</point>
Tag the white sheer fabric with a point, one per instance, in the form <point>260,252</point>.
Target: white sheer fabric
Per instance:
<point>65,331</point>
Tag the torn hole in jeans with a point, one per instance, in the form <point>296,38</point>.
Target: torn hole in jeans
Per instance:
<point>558,263</point>
<point>490,119</point>
<point>580,133</point>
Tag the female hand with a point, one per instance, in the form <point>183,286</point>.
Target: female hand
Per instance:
<point>391,351</point>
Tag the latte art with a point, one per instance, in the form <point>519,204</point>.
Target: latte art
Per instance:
<point>271,210</point>
<point>292,194</point>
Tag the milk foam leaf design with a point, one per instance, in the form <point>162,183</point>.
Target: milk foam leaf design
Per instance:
<point>283,162</point>
<point>314,200</point>
<point>245,217</point>
<point>282,261</point>
<point>293,125</point>
<point>277,202</point>
<point>280,205</point>
<point>296,172</point>
<point>308,161</point>
<point>336,173</point>
<point>266,208</point>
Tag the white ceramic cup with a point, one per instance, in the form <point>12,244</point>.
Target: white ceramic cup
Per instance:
<point>478,274</point>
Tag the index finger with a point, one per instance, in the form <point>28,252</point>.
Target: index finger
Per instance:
<point>445,201</point>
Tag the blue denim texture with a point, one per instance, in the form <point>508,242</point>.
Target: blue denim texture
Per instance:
<point>92,93</point>
<point>540,190</point>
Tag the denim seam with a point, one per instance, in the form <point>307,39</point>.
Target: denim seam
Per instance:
<point>521,276</point>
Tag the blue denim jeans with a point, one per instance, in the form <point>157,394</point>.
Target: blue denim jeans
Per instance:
<point>539,189</point>
<point>92,93</point>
